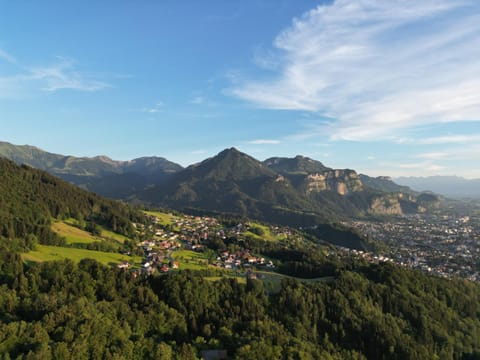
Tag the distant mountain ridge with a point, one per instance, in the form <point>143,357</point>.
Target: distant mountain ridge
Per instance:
<point>112,178</point>
<point>452,186</point>
<point>295,191</point>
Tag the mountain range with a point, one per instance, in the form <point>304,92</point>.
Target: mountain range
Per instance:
<point>100,174</point>
<point>295,191</point>
<point>451,186</point>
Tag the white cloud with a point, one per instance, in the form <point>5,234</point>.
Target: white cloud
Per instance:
<point>426,166</point>
<point>7,57</point>
<point>370,68</point>
<point>198,100</point>
<point>433,155</point>
<point>471,152</point>
<point>154,109</point>
<point>264,142</point>
<point>62,75</point>
<point>450,139</point>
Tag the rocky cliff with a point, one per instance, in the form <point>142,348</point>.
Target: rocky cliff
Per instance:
<point>342,182</point>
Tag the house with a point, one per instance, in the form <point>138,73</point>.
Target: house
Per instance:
<point>124,265</point>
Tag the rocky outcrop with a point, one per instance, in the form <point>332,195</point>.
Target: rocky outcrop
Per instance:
<point>342,182</point>
<point>386,205</point>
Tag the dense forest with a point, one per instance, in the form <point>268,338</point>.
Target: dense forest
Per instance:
<point>62,310</point>
<point>30,199</point>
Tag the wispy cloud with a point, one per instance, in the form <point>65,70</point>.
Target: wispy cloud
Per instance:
<point>451,139</point>
<point>264,142</point>
<point>433,155</point>
<point>456,153</point>
<point>369,69</point>
<point>198,100</point>
<point>153,109</point>
<point>422,166</point>
<point>61,75</point>
<point>6,56</point>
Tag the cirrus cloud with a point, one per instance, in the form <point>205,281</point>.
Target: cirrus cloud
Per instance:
<point>60,75</point>
<point>369,69</point>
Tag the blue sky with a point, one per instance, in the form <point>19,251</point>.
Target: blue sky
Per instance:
<point>384,87</point>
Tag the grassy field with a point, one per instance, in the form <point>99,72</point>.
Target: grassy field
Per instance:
<point>164,218</point>
<point>267,234</point>
<point>72,234</point>
<point>107,234</point>
<point>49,253</point>
<point>190,260</point>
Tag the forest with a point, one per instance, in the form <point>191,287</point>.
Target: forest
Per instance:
<point>30,199</point>
<point>86,310</point>
<point>62,310</point>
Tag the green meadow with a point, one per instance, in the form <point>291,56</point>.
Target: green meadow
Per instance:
<point>49,253</point>
<point>72,234</point>
<point>164,218</point>
<point>266,233</point>
<point>190,260</point>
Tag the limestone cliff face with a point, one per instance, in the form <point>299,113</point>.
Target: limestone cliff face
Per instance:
<point>395,204</point>
<point>342,182</point>
<point>386,205</point>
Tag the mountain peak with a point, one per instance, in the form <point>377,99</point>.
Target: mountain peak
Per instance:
<point>231,164</point>
<point>232,150</point>
<point>298,164</point>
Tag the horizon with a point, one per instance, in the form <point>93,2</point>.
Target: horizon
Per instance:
<point>274,78</point>
<point>208,156</point>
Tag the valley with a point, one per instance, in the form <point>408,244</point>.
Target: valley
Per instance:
<point>188,282</point>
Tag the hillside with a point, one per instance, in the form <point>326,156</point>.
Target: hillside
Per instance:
<point>231,182</point>
<point>385,184</point>
<point>296,191</point>
<point>299,191</point>
<point>116,179</point>
<point>31,198</point>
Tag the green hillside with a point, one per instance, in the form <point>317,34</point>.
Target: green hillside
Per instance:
<point>49,253</point>
<point>31,198</point>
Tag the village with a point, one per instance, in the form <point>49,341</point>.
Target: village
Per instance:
<point>443,245</point>
<point>178,242</point>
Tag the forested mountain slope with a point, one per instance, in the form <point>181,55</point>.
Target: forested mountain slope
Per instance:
<point>31,198</point>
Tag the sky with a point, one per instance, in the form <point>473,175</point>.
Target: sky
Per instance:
<point>385,87</point>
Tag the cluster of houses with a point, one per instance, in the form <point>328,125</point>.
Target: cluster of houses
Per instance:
<point>241,259</point>
<point>190,233</point>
